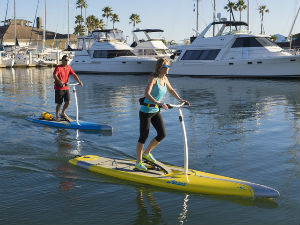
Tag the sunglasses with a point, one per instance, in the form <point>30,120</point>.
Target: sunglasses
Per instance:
<point>165,66</point>
<point>66,60</point>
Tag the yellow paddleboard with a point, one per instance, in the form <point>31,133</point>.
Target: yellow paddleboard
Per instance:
<point>173,177</point>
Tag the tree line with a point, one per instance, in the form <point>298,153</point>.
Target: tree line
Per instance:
<point>91,22</point>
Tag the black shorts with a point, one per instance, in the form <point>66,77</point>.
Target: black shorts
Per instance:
<point>157,122</point>
<point>62,95</point>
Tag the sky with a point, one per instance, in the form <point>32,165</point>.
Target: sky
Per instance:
<point>176,17</point>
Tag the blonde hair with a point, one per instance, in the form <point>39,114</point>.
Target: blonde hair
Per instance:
<point>160,62</point>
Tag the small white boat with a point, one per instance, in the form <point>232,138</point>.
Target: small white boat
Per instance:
<point>105,52</point>
<point>48,57</point>
<point>24,57</point>
<point>235,53</point>
<point>148,42</point>
<point>5,60</point>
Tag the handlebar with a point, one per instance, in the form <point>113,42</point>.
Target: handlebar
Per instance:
<point>176,106</point>
<point>73,84</point>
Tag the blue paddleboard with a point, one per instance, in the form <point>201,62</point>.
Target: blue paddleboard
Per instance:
<point>81,125</point>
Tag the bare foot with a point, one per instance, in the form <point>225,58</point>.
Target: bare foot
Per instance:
<point>65,116</point>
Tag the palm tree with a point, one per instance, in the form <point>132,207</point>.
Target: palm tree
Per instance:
<point>240,6</point>
<point>99,24</point>
<point>107,12</point>
<point>90,23</point>
<point>79,19</point>
<point>93,23</point>
<point>81,4</point>
<point>230,5</point>
<point>79,30</point>
<point>135,19</point>
<point>114,19</point>
<point>262,9</point>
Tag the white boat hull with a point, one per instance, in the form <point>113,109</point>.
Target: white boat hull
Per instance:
<point>269,67</point>
<point>7,62</point>
<point>114,66</point>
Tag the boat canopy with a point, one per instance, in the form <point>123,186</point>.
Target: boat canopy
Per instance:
<point>148,30</point>
<point>231,23</point>
<point>108,35</point>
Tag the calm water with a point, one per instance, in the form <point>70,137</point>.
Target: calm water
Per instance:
<point>245,128</point>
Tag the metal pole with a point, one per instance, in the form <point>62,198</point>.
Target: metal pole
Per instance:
<point>76,102</point>
<point>186,150</point>
<point>15,23</point>
<point>214,17</point>
<point>44,32</point>
<point>197,25</point>
<point>248,16</point>
<point>290,34</point>
<point>68,22</point>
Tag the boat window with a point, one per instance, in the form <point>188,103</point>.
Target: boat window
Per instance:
<point>265,42</point>
<point>79,43</point>
<point>210,54</point>
<point>104,35</point>
<point>89,43</point>
<point>149,52</point>
<point>111,53</point>
<point>246,42</point>
<point>162,51</point>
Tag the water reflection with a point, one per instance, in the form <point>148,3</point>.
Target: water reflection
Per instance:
<point>65,144</point>
<point>236,100</point>
<point>27,82</point>
<point>149,211</point>
<point>147,215</point>
<point>183,215</point>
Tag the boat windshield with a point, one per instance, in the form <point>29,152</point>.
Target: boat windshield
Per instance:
<point>219,29</point>
<point>149,35</point>
<point>108,35</point>
<point>243,42</point>
<point>235,29</point>
<point>79,44</point>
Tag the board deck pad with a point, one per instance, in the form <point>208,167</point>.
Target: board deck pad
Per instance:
<point>172,177</point>
<point>72,124</point>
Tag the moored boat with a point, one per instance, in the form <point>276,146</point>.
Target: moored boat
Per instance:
<point>107,53</point>
<point>233,52</point>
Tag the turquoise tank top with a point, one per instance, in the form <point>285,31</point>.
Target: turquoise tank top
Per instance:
<point>157,92</point>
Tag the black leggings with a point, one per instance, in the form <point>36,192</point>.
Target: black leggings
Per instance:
<point>157,123</point>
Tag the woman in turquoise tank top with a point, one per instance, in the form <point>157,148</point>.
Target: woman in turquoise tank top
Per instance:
<point>156,89</point>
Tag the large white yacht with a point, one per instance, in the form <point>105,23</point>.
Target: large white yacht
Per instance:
<point>105,52</point>
<point>148,42</point>
<point>235,53</point>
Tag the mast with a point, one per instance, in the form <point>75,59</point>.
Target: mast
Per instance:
<point>44,31</point>
<point>290,34</point>
<point>214,17</point>
<point>248,16</point>
<point>15,23</point>
<point>197,16</point>
<point>68,22</point>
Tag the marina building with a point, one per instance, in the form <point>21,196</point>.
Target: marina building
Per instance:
<point>27,35</point>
